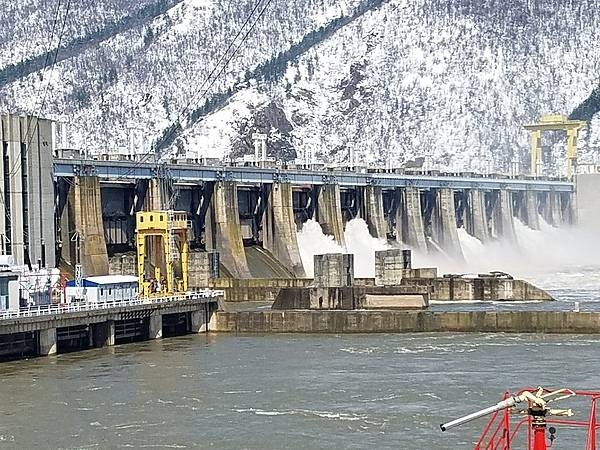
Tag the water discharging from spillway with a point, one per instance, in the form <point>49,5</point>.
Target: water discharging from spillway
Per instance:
<point>555,258</point>
<point>359,242</point>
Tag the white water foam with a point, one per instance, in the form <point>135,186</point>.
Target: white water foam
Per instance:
<point>553,258</point>
<point>312,241</point>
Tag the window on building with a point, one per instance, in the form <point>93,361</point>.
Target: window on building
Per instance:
<point>101,292</point>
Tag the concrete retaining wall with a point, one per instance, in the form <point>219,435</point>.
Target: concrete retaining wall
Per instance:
<point>406,322</point>
<point>255,290</point>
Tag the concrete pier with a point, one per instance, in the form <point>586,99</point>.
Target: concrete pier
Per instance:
<point>103,334</point>
<point>476,219</point>
<point>503,226</point>
<point>155,326</point>
<point>373,212</point>
<point>79,327</point>
<point>531,210</point>
<point>329,212</point>
<point>279,229</point>
<point>335,321</point>
<point>47,342</point>
<point>223,230</point>
<point>85,218</point>
<point>334,270</point>
<point>411,220</point>
<point>444,230</point>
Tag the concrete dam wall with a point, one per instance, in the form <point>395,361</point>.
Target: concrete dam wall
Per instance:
<point>254,227</point>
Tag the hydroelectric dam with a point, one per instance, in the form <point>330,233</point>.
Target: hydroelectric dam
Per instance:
<point>59,209</point>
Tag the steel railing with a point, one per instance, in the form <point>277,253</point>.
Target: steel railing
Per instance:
<point>64,308</point>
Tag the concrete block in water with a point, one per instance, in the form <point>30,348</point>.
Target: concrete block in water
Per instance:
<point>334,270</point>
<point>403,301</point>
<point>390,266</point>
<point>351,298</point>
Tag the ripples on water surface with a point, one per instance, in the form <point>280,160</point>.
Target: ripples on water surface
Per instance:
<point>282,391</point>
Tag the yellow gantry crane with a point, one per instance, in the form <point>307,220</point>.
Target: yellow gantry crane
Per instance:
<point>163,234</point>
<point>555,123</point>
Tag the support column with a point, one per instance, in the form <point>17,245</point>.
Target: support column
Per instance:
<point>223,230</point>
<point>85,214</point>
<point>476,221</point>
<point>155,326</point>
<point>503,225</point>
<point>329,212</point>
<point>444,223</point>
<point>279,229</point>
<point>556,209</point>
<point>413,232</point>
<point>200,320</point>
<point>47,342</point>
<point>374,215</point>
<point>103,334</point>
<point>536,151</point>
<point>531,210</point>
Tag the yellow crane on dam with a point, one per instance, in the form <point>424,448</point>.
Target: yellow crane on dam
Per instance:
<point>162,252</point>
<point>555,123</point>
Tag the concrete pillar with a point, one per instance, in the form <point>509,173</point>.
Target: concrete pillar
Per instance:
<point>85,216</point>
<point>556,209</point>
<point>103,334</point>
<point>390,266</point>
<point>334,270</point>
<point>223,230</point>
<point>444,230</point>
<point>374,215</point>
<point>502,217</point>
<point>155,196</point>
<point>47,342</point>
<point>155,326</point>
<point>531,210</point>
<point>476,221</point>
<point>199,320</point>
<point>413,232</point>
<point>329,212</point>
<point>279,229</point>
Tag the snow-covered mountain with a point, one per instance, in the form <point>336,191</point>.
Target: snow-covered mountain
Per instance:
<point>392,80</point>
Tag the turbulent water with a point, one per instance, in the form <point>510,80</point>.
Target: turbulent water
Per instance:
<point>283,391</point>
<point>563,261</point>
<point>313,391</point>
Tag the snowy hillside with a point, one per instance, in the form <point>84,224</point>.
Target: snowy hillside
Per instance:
<point>394,80</point>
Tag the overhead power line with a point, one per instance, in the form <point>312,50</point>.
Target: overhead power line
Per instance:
<point>209,81</point>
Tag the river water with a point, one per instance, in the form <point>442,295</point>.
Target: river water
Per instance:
<point>282,391</point>
<point>309,391</point>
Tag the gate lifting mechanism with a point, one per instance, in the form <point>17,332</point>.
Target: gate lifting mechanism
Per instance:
<point>501,431</point>
<point>162,258</point>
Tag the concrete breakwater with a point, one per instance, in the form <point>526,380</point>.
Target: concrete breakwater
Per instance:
<point>396,321</point>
